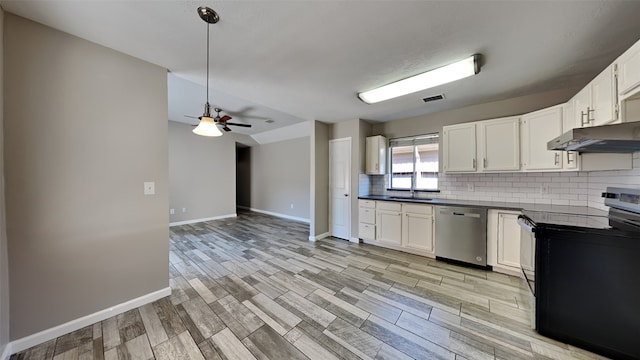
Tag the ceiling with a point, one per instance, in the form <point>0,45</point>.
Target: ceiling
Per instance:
<point>292,61</point>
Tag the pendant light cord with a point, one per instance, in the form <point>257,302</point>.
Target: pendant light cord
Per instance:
<point>208,63</point>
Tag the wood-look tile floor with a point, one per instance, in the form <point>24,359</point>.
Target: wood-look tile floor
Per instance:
<point>253,287</point>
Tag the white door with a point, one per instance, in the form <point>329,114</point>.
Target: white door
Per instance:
<point>537,129</point>
<point>581,101</point>
<point>508,240</point>
<point>459,145</point>
<point>500,144</point>
<point>603,98</point>
<point>340,187</point>
<point>418,232</point>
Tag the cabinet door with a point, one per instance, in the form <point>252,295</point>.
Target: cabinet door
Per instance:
<point>389,226</point>
<point>459,148</point>
<point>629,71</point>
<point>537,129</point>
<point>376,150</point>
<point>367,231</point>
<point>508,240</point>
<point>603,98</point>
<point>418,232</point>
<point>500,144</point>
<point>581,101</point>
<point>367,215</point>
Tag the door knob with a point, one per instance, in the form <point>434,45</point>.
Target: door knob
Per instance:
<point>346,194</point>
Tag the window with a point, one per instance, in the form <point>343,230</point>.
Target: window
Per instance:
<point>414,162</point>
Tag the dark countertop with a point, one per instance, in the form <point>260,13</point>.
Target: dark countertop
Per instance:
<point>541,214</point>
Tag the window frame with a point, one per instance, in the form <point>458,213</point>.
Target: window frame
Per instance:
<point>415,141</point>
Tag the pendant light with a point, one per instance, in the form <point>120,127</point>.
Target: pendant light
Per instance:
<point>207,125</point>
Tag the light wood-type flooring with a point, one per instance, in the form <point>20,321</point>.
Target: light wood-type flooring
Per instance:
<point>254,287</point>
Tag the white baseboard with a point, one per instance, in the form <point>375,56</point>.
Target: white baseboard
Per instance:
<point>319,237</point>
<point>284,216</point>
<point>186,222</point>
<point>6,353</point>
<point>355,240</point>
<point>73,325</point>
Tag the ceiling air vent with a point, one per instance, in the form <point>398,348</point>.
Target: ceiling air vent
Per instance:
<point>433,98</point>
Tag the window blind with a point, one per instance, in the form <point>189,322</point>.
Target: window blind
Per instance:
<point>415,140</point>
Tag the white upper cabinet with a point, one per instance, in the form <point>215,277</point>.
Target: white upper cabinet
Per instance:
<point>376,155</point>
<point>597,103</point>
<point>490,145</point>
<point>537,129</point>
<point>459,148</point>
<point>500,144</point>
<point>629,72</point>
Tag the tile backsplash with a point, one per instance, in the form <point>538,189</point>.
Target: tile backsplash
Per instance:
<point>555,188</point>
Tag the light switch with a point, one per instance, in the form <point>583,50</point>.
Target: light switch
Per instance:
<point>149,188</point>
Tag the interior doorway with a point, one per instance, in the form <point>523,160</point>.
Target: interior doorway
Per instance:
<point>243,176</point>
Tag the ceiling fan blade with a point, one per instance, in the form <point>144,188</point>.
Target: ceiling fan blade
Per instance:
<point>226,128</point>
<point>235,124</point>
<point>225,118</point>
<point>193,117</point>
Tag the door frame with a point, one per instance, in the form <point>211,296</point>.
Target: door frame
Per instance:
<point>331,144</point>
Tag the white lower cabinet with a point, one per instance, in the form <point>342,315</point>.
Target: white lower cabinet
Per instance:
<point>402,226</point>
<point>367,216</point>
<point>503,241</point>
<point>389,222</point>
<point>417,227</point>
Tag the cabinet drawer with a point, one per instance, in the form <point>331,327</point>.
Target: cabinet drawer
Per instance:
<point>418,209</point>
<point>387,205</point>
<point>367,204</point>
<point>367,231</point>
<point>367,215</point>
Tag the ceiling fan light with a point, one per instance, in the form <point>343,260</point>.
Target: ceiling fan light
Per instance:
<point>446,74</point>
<point>207,127</point>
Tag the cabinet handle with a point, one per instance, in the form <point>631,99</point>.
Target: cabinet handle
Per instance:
<point>569,161</point>
<point>557,159</point>
<point>582,115</point>
<point>589,118</point>
<point>474,164</point>
<point>484,163</point>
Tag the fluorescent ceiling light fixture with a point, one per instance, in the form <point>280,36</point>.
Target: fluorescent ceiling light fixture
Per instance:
<point>426,80</point>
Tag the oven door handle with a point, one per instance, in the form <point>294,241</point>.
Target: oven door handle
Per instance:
<point>526,224</point>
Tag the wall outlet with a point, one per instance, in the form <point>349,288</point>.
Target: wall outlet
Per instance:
<point>184,210</point>
<point>470,187</point>
<point>544,189</point>
<point>149,188</point>
<point>172,211</point>
<point>292,206</point>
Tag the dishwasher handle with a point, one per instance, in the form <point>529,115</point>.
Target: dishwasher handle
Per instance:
<point>456,213</point>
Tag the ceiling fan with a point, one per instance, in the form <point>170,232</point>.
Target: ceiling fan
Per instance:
<point>222,121</point>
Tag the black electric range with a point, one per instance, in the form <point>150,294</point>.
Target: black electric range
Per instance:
<point>583,270</point>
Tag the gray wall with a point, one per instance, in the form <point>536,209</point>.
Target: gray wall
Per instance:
<point>319,169</point>
<point>4,259</point>
<point>434,122</point>
<point>202,173</point>
<point>280,177</point>
<point>84,127</point>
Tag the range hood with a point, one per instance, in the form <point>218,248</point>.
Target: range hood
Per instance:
<point>616,138</point>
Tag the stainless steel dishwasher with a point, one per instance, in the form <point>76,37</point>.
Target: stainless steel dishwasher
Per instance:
<point>461,234</point>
